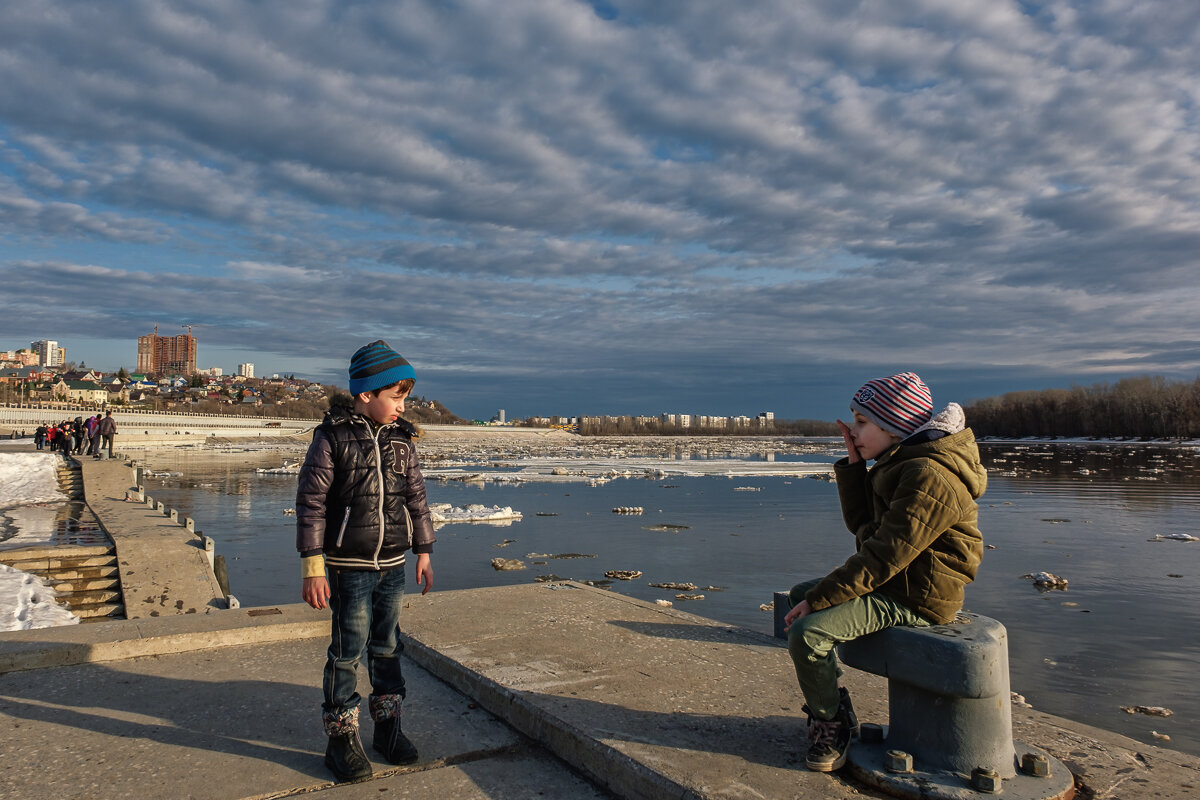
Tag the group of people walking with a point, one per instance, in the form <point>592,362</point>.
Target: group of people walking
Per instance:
<point>78,436</point>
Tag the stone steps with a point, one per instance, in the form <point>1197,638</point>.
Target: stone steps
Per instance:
<point>80,561</point>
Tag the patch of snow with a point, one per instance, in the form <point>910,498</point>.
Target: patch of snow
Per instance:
<point>27,478</point>
<point>27,602</point>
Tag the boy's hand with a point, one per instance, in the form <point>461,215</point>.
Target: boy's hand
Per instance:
<point>315,591</point>
<point>855,456</point>
<point>424,572</point>
<point>798,612</point>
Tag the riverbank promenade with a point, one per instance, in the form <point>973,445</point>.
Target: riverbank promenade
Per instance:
<point>554,690</point>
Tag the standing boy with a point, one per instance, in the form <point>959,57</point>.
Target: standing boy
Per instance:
<point>360,505</point>
<point>917,541</point>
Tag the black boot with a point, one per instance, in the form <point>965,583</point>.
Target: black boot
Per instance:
<point>345,758</point>
<point>392,743</point>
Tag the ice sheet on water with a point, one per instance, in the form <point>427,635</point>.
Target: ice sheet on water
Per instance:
<point>443,513</point>
<point>27,478</point>
<point>565,470</point>
<point>25,526</point>
<point>27,602</point>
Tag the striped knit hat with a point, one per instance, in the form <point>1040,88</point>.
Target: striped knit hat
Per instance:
<point>899,404</point>
<point>376,366</point>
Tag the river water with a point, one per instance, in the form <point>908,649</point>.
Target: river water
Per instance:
<point>1122,633</point>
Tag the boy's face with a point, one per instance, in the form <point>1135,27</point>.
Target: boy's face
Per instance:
<point>871,439</point>
<point>384,407</point>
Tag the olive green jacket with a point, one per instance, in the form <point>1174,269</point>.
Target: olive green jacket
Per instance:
<point>916,525</point>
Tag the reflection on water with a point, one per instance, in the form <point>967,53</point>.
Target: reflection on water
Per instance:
<point>1121,633</point>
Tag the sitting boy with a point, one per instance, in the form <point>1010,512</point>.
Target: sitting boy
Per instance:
<point>917,542</point>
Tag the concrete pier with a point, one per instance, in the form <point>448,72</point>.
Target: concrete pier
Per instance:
<point>546,690</point>
<point>555,690</point>
<point>164,567</point>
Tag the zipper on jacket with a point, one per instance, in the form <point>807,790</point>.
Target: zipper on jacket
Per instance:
<point>379,474</point>
<point>345,522</point>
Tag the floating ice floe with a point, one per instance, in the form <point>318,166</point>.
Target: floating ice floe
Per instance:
<point>507,564</point>
<point>1174,537</point>
<point>27,602</point>
<point>1046,580</point>
<point>1150,711</point>
<point>288,468</point>
<point>559,555</point>
<point>623,574</point>
<point>443,513</point>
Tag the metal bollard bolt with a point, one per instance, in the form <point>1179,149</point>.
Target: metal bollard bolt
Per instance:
<point>897,761</point>
<point>986,780</point>
<point>1035,764</point>
<point>870,733</point>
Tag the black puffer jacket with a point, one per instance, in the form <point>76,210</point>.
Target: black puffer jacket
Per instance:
<point>361,497</point>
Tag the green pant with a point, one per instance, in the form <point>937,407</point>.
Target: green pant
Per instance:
<point>811,640</point>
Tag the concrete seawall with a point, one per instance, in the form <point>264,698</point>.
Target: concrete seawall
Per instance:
<point>138,429</point>
<point>506,685</point>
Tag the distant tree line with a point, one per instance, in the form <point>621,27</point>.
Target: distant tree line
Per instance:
<point>1149,407</point>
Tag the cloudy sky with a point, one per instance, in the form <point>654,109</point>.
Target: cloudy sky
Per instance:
<point>562,207</point>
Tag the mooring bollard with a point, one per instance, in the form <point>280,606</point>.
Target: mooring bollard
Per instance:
<point>210,548</point>
<point>190,524</point>
<point>950,708</point>
<point>174,515</point>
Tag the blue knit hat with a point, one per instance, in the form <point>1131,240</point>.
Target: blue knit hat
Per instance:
<point>375,366</point>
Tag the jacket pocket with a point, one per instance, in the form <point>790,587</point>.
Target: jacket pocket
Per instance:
<point>342,530</point>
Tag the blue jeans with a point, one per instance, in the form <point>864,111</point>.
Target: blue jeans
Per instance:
<point>811,640</point>
<point>366,616</point>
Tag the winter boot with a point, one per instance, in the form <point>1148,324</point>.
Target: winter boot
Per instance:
<point>345,758</point>
<point>828,740</point>
<point>392,744</point>
<point>389,739</point>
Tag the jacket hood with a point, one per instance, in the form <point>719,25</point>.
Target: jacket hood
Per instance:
<point>957,453</point>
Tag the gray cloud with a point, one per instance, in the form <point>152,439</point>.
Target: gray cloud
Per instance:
<point>661,190</point>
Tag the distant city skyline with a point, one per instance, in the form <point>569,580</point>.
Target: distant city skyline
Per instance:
<point>618,207</point>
